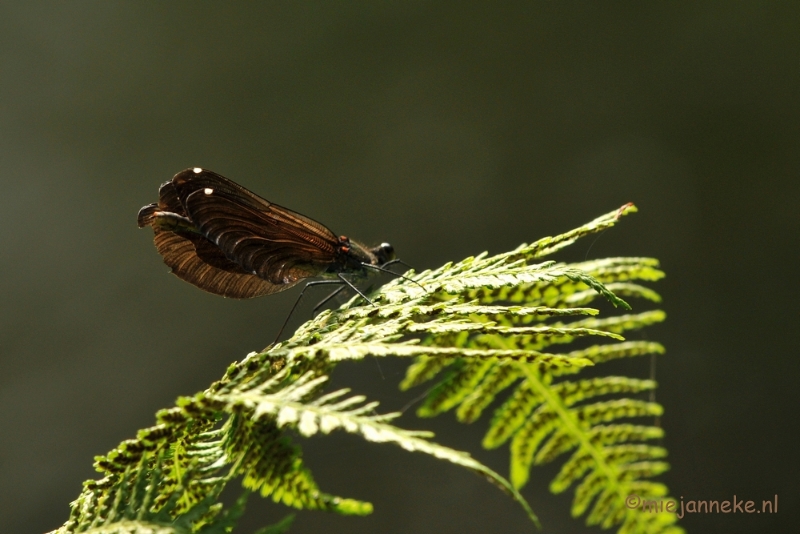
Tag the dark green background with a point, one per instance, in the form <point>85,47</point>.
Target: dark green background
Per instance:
<point>445,128</point>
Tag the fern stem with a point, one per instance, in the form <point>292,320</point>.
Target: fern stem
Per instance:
<point>569,420</point>
<point>570,423</point>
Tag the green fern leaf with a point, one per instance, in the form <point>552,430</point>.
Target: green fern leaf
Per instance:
<point>542,417</point>
<point>483,327</point>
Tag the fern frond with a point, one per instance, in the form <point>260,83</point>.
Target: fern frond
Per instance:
<point>542,417</point>
<point>498,378</point>
<point>132,506</point>
<point>485,326</point>
<point>424,369</point>
<point>295,406</point>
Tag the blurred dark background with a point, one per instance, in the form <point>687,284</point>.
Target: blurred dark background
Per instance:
<point>445,128</point>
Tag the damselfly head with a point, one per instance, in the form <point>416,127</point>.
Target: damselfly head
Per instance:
<point>384,253</point>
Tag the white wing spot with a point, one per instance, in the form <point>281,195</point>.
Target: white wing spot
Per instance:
<point>197,170</point>
<point>208,190</point>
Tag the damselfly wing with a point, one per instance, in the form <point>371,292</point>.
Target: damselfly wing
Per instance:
<point>226,240</point>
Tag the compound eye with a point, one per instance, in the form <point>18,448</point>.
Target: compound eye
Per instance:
<point>388,250</point>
